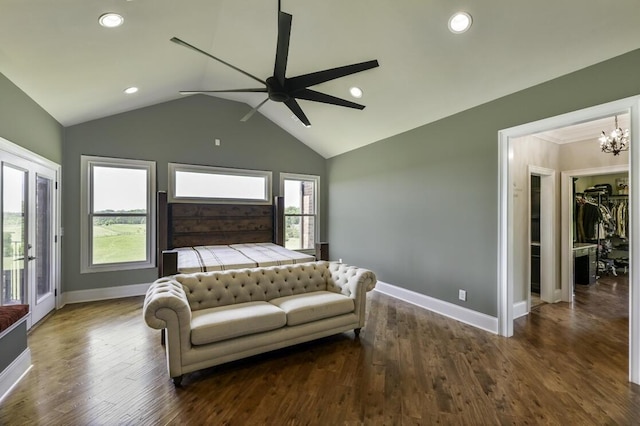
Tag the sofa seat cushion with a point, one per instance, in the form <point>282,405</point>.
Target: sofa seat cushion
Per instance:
<point>313,306</point>
<point>226,322</point>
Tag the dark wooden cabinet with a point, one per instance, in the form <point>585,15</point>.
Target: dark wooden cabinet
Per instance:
<point>585,263</point>
<point>535,268</point>
<point>322,251</point>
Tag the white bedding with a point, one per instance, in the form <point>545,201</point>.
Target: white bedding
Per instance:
<point>222,257</point>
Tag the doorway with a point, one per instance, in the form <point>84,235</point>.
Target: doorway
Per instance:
<point>567,190</point>
<point>543,279</point>
<point>29,222</point>
<point>506,218</point>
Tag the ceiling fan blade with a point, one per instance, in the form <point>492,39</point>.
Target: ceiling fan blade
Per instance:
<point>295,108</point>
<point>185,44</point>
<point>306,80</point>
<point>253,111</point>
<point>282,49</point>
<point>195,92</point>
<point>312,95</point>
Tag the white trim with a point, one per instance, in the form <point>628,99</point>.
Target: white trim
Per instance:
<point>14,372</point>
<point>520,309</point>
<point>316,180</point>
<point>87,163</point>
<point>36,161</point>
<point>566,218</point>
<point>505,212</point>
<point>80,296</point>
<point>12,148</point>
<point>548,245</point>
<point>505,238</point>
<point>458,313</point>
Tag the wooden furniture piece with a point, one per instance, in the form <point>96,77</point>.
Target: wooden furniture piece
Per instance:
<point>322,251</point>
<point>199,224</point>
<point>585,263</point>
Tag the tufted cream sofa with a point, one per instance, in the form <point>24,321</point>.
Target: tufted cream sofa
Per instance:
<point>215,317</point>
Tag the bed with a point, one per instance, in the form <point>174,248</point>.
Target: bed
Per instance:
<point>195,237</point>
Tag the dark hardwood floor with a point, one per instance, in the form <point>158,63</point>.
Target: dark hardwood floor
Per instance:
<point>99,364</point>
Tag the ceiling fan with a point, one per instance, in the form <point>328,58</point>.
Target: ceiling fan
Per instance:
<point>282,89</point>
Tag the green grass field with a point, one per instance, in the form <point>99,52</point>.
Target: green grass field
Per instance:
<point>119,243</point>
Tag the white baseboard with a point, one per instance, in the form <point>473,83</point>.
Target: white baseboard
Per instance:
<point>93,295</point>
<point>11,375</point>
<point>459,313</point>
<point>520,309</point>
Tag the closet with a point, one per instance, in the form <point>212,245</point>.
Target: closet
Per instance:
<point>535,234</point>
<point>601,228</point>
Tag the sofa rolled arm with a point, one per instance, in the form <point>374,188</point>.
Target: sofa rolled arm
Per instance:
<point>165,293</point>
<point>353,281</point>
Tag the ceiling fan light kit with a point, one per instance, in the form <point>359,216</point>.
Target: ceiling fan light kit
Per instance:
<point>285,90</point>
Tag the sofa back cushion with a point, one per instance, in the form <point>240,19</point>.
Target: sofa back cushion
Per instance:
<point>212,289</point>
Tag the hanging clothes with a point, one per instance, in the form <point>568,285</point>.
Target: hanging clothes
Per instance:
<point>594,220</point>
<point>620,212</point>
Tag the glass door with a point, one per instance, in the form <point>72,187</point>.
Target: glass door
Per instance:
<point>41,257</point>
<point>14,226</point>
<point>29,209</point>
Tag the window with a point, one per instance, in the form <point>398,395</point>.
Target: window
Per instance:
<point>118,214</point>
<point>189,183</point>
<point>301,210</point>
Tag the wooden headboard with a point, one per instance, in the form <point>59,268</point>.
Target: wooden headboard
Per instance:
<point>191,224</point>
<point>199,225</point>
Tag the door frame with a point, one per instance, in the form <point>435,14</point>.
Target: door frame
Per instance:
<point>566,192</point>
<point>629,105</point>
<point>548,265</point>
<point>23,153</point>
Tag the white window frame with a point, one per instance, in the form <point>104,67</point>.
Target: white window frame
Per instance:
<point>176,167</point>
<point>86,218</point>
<point>316,201</point>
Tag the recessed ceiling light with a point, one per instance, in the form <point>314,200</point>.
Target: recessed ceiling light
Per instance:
<point>460,22</point>
<point>111,20</point>
<point>356,92</point>
<point>130,90</point>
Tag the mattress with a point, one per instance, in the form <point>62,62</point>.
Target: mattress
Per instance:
<point>235,256</point>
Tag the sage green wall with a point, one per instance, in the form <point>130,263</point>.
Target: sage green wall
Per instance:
<point>181,131</point>
<point>25,123</point>
<point>421,208</point>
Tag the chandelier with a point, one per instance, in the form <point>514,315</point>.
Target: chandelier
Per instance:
<point>616,142</point>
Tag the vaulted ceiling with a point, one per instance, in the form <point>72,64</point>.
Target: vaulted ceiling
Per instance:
<point>56,52</point>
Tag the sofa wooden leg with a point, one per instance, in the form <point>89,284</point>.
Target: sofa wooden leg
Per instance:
<point>357,331</point>
<point>177,381</point>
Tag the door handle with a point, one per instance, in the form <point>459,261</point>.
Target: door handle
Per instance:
<point>30,258</point>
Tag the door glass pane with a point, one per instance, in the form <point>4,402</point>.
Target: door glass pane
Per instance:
<point>13,235</point>
<point>43,237</point>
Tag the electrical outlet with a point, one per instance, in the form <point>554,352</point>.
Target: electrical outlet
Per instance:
<point>462,295</point>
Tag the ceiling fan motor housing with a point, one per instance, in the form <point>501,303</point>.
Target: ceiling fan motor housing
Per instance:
<point>276,92</point>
